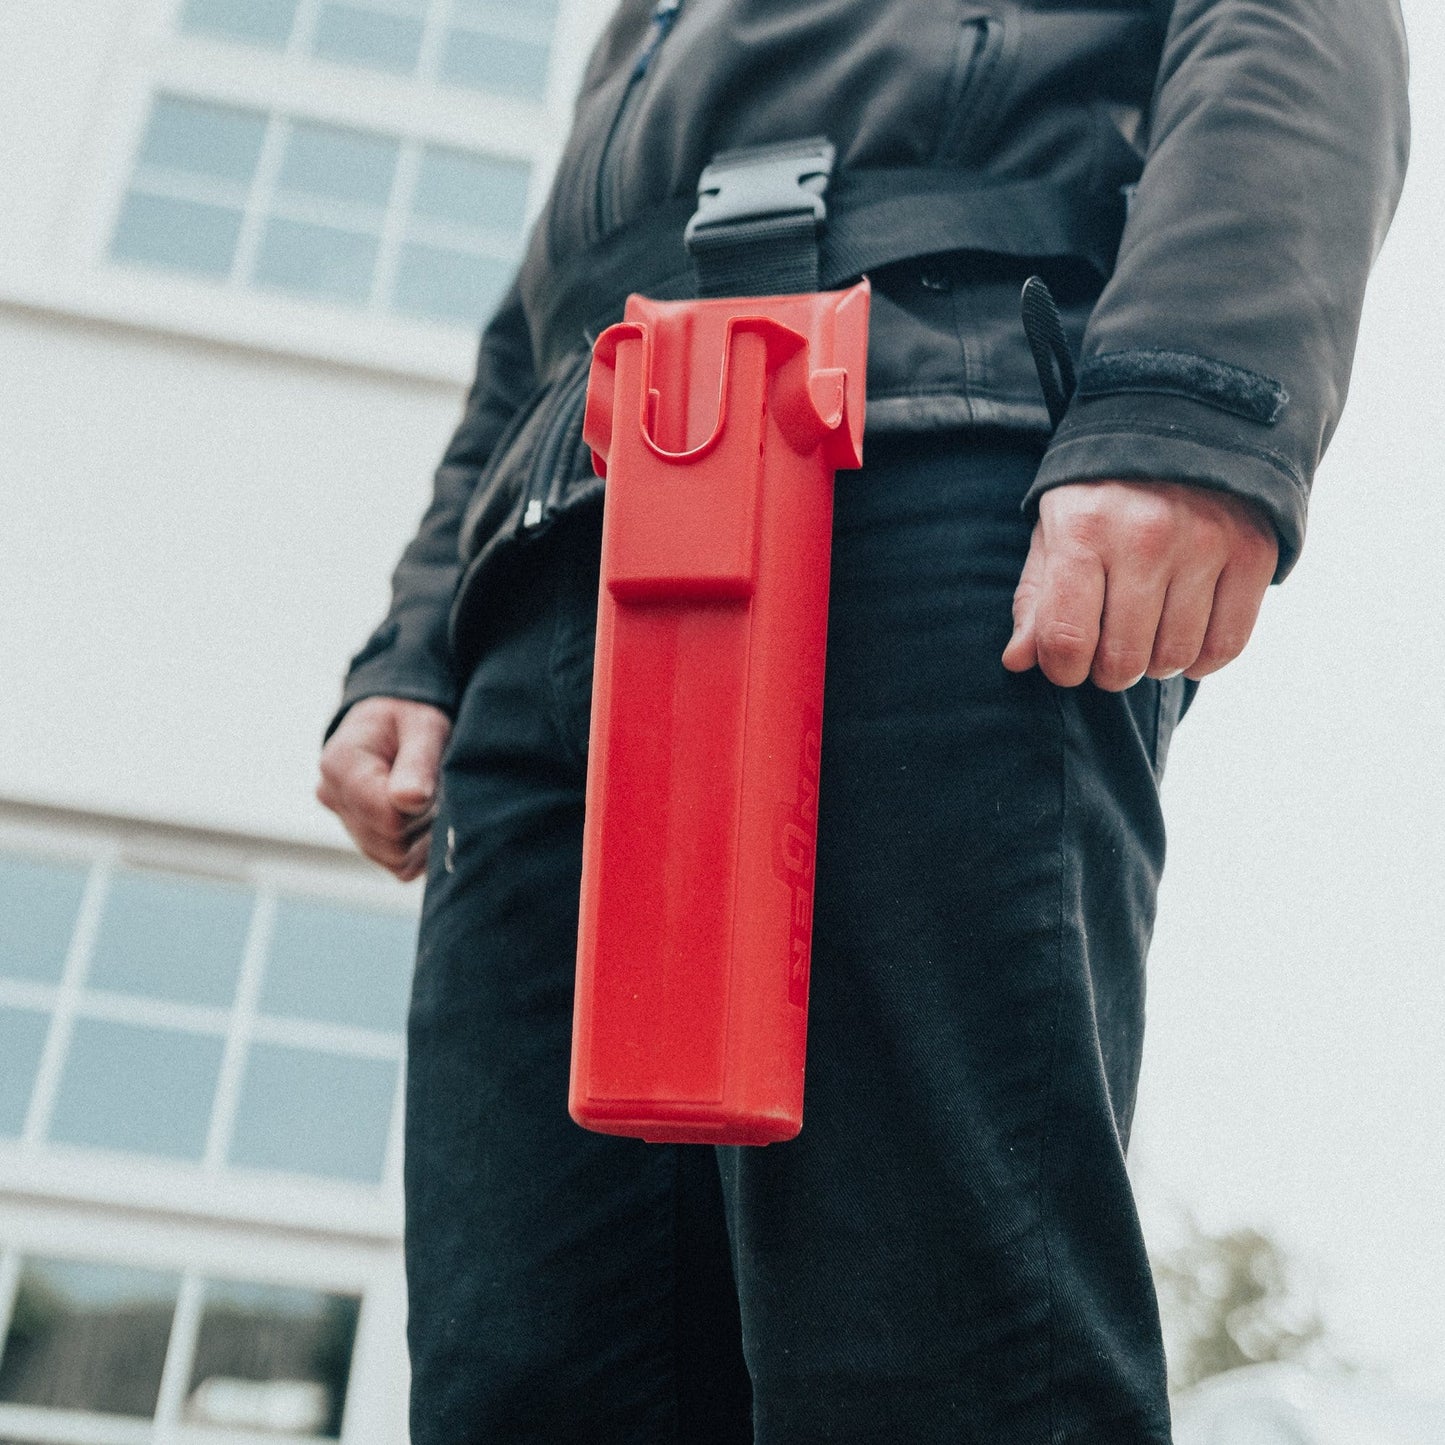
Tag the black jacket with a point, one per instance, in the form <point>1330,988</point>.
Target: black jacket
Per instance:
<point>1242,157</point>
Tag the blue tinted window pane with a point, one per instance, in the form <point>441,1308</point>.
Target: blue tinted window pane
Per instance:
<point>372,38</point>
<point>496,63</point>
<point>255,22</point>
<point>142,1089</point>
<point>319,261</point>
<point>180,235</point>
<point>445,285</point>
<point>338,165</point>
<point>88,1337</point>
<point>471,190</point>
<point>38,905</point>
<point>264,1352</point>
<point>213,141</point>
<point>509,17</point>
<point>22,1036</point>
<point>341,965</point>
<point>314,1113</point>
<point>173,938</point>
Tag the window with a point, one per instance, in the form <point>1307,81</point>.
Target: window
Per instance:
<point>270,1358</point>
<point>143,1089</point>
<point>200,1021</point>
<point>498,46</point>
<point>38,905</point>
<point>103,1338</point>
<point>22,1036</point>
<point>179,939</point>
<point>350,217</point>
<point>88,1336</point>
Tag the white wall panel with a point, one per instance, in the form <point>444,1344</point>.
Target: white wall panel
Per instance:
<point>196,538</point>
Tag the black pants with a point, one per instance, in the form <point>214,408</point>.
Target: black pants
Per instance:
<point>950,1250</point>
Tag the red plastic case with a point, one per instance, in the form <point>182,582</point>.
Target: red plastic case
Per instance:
<point>718,425</point>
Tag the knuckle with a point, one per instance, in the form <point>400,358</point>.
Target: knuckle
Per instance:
<point>1228,644</point>
<point>388,855</point>
<point>1088,530</point>
<point>1118,665</point>
<point>1122,656</point>
<point>1213,656</point>
<point>375,816</point>
<point>1152,528</point>
<point>1064,639</point>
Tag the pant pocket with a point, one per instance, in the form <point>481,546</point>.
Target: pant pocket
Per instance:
<point>1175,695</point>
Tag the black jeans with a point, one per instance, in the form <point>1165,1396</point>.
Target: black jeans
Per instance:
<point>949,1251</point>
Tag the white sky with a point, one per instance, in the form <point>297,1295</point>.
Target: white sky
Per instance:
<point>1294,1074</point>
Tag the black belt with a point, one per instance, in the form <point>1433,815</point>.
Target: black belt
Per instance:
<point>875,218</point>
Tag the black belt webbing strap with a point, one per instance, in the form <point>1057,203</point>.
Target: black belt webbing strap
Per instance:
<point>759,211</point>
<point>874,219</point>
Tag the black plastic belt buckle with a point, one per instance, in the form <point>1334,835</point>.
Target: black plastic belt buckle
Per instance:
<point>761,183</point>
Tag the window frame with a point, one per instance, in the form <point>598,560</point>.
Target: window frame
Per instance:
<point>209,1187</point>
<point>153,56</point>
<point>375,1402</point>
<point>71,1202</point>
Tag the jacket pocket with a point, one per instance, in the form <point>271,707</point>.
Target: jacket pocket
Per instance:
<point>973,82</point>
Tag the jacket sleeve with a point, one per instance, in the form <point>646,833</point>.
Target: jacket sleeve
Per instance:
<point>409,654</point>
<point>1219,353</point>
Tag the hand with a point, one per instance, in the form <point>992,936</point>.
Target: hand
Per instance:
<point>1128,578</point>
<point>379,776</point>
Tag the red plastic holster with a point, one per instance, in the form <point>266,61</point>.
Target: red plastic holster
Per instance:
<point>718,425</point>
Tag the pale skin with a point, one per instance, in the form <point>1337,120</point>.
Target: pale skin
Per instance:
<point>1123,579</point>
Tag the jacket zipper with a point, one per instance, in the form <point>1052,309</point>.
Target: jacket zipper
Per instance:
<point>566,414</point>
<point>605,209</point>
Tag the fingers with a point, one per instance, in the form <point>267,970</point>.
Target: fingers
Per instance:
<point>411,787</point>
<point>1069,611</point>
<point>1237,598</point>
<point>379,774</point>
<point>1022,651</point>
<point>401,850</point>
<point>396,853</point>
<point>355,785</point>
<point>1182,624</point>
<point>1128,578</point>
<point>1133,601</point>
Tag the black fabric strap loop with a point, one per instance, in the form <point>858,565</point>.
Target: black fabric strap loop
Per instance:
<point>1053,359</point>
<point>759,211</point>
<point>875,218</point>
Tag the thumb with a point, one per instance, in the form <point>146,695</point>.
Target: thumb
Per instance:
<point>420,740</point>
<point>1022,650</point>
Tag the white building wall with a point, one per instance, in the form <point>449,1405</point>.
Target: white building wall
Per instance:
<point>203,490</point>
<point>218,480</point>
<point>217,528</point>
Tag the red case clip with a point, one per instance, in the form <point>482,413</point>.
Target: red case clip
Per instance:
<point>718,425</point>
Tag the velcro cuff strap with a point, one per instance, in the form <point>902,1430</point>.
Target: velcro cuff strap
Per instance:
<point>1180,373</point>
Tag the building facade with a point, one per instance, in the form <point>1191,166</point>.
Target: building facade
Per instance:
<point>246,250</point>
